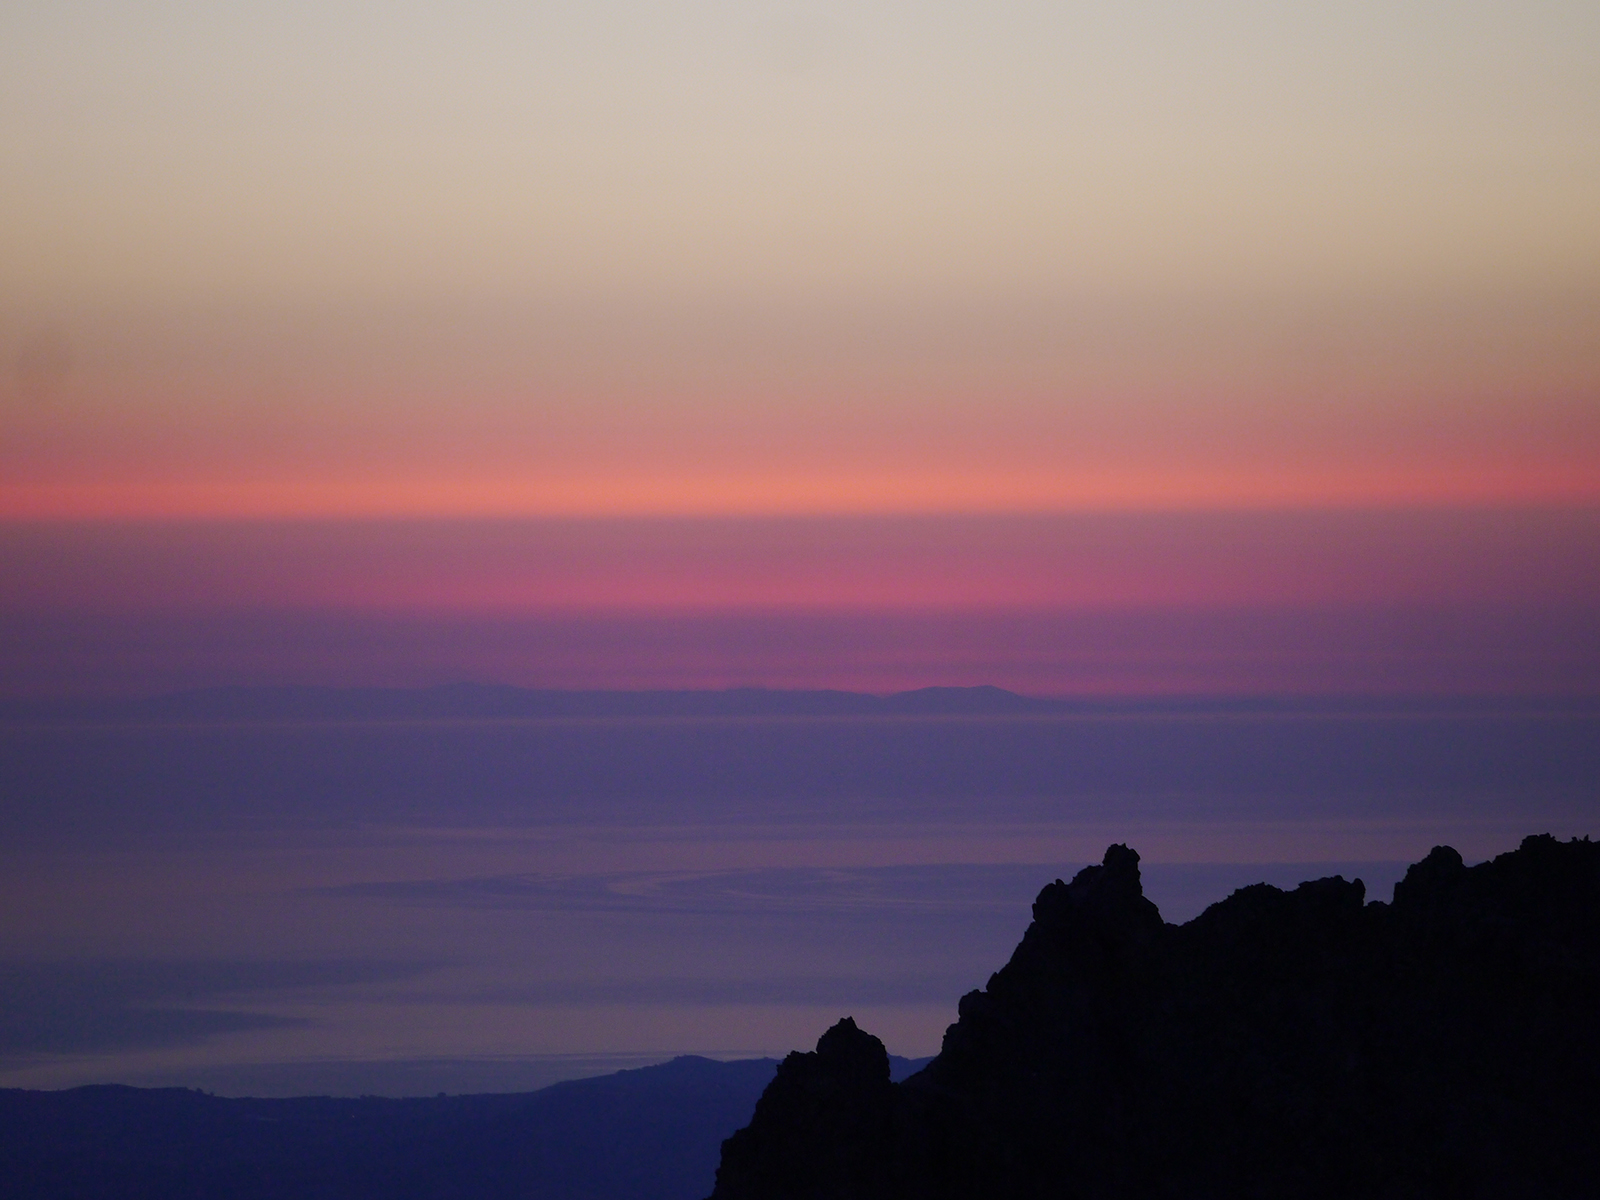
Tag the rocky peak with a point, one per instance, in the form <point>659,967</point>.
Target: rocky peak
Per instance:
<point>1284,1044</point>
<point>1109,897</point>
<point>847,1052</point>
<point>1428,880</point>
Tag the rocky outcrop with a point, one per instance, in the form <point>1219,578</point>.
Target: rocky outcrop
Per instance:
<point>827,1120</point>
<point>1282,1044</point>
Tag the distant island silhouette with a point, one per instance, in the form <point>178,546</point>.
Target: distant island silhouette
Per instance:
<point>469,701</point>
<point>1282,1044</point>
<point>495,701</point>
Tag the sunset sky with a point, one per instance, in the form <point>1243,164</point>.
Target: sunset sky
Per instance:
<point>293,284</point>
<point>1229,369</point>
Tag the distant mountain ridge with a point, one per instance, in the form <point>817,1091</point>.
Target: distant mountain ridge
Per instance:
<point>489,701</point>
<point>1282,1044</point>
<point>649,1132</point>
<point>493,701</point>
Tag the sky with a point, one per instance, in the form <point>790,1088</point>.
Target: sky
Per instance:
<point>342,311</point>
<point>343,259</point>
<point>1138,353</point>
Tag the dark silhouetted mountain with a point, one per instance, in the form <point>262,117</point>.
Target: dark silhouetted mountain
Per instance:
<point>1282,1044</point>
<point>965,701</point>
<point>651,1132</point>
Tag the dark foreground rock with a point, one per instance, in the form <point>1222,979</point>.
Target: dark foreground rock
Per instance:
<point>1282,1044</point>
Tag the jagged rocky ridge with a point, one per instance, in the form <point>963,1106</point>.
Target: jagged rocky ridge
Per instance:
<point>1282,1044</point>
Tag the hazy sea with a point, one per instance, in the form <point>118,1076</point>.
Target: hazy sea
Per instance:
<point>412,906</point>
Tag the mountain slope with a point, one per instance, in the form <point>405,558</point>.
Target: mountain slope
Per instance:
<point>649,1132</point>
<point>1282,1044</point>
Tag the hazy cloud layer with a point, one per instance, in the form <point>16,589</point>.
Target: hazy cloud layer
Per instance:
<point>85,1007</point>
